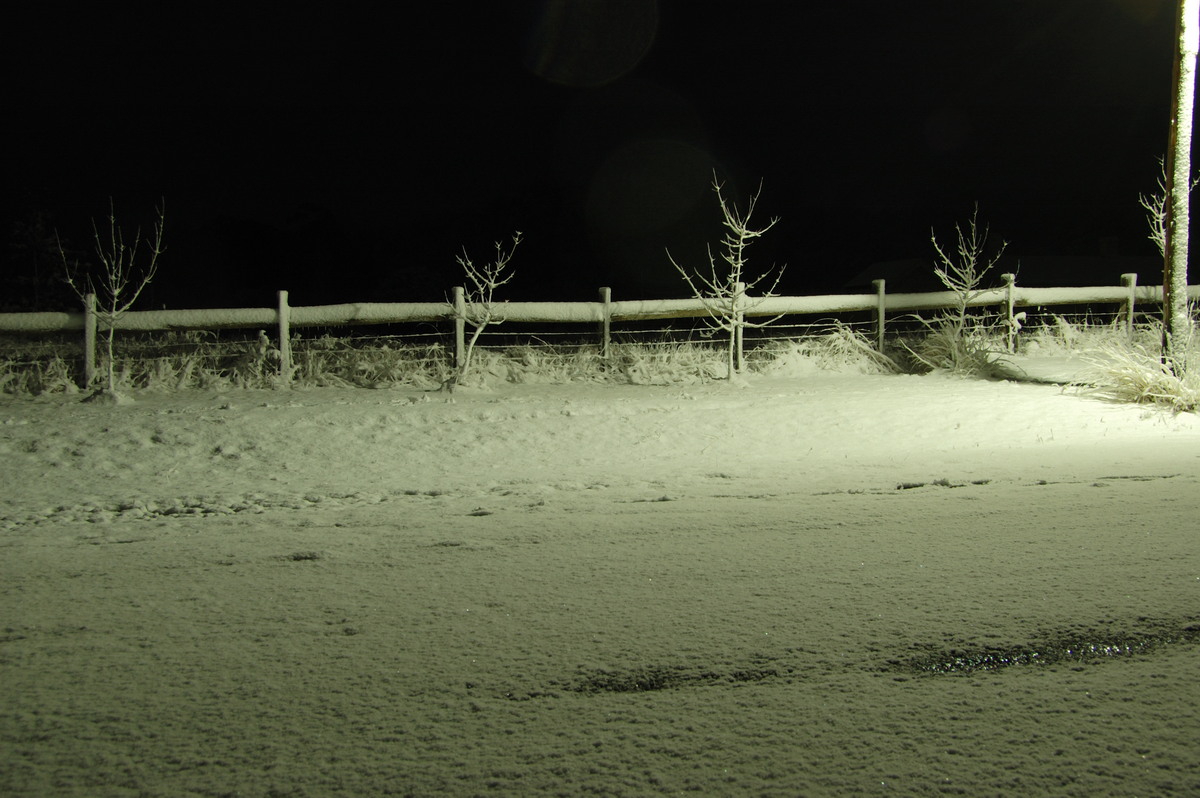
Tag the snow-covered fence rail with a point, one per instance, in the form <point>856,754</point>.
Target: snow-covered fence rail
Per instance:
<point>283,317</point>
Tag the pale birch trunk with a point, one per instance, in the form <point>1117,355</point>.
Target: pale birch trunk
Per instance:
<point>1176,320</point>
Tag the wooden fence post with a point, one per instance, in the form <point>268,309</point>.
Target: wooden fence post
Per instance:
<point>1011,321</point>
<point>1129,280</point>
<point>285,338</point>
<point>89,340</point>
<point>606,321</point>
<point>460,326</point>
<point>880,312</point>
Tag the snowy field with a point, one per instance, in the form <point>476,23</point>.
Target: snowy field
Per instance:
<point>836,584</point>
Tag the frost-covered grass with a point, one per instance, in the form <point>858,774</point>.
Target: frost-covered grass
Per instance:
<point>26,376</point>
<point>1135,370</point>
<point>30,365</point>
<point>970,347</point>
<point>1062,335</point>
<point>842,349</point>
<point>182,361</point>
<point>1121,366</point>
<point>1136,373</point>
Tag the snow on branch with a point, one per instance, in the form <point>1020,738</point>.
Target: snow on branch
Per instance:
<point>724,287</point>
<point>478,307</point>
<point>1156,208</point>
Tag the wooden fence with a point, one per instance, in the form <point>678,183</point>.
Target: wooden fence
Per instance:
<point>602,313</point>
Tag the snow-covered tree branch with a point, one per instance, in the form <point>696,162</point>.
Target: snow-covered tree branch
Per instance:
<point>964,273</point>
<point>953,341</point>
<point>119,279</point>
<point>725,285</point>
<point>1156,208</point>
<point>478,307</point>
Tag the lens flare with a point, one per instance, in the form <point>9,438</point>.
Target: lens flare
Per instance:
<point>585,43</point>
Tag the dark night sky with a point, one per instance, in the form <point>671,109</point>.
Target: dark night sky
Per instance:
<point>348,153</point>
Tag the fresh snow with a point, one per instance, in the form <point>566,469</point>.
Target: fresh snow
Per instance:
<point>624,590</point>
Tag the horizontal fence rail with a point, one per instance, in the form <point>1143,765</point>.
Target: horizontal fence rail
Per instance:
<point>604,312</point>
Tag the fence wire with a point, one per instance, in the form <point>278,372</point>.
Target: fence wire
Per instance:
<point>424,353</point>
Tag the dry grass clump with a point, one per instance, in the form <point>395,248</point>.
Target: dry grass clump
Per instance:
<point>36,377</point>
<point>179,361</point>
<point>1137,371</point>
<point>38,365</point>
<point>557,365</point>
<point>329,361</point>
<point>1061,335</point>
<point>641,363</point>
<point>666,363</point>
<point>969,346</point>
<point>842,349</point>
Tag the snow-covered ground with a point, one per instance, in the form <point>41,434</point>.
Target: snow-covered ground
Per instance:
<point>593,589</point>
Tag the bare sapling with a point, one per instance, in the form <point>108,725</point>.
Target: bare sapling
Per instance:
<point>725,286</point>
<point>117,282</point>
<point>964,275</point>
<point>1155,206</point>
<point>950,344</point>
<point>479,308</point>
<point>1156,209</point>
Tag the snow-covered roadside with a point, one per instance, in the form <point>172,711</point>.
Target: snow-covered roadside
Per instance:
<point>348,592</point>
<point>828,432</point>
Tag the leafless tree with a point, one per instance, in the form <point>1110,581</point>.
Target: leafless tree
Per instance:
<point>119,279</point>
<point>951,342</point>
<point>965,272</point>
<point>479,307</point>
<point>724,287</point>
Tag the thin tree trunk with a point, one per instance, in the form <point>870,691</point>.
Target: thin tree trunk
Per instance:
<point>1179,169</point>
